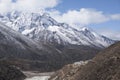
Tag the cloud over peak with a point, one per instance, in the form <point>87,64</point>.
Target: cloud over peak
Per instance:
<point>84,16</point>
<point>29,5</point>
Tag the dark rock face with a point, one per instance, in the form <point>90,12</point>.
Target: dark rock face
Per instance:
<point>8,72</point>
<point>105,66</point>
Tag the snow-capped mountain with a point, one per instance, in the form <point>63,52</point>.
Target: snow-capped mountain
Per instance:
<point>27,54</point>
<point>50,43</point>
<point>42,27</point>
<point>19,50</point>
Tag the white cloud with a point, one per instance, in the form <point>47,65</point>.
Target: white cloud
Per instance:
<point>5,5</point>
<point>88,16</point>
<point>31,5</point>
<point>115,16</point>
<point>111,34</point>
<point>83,16</point>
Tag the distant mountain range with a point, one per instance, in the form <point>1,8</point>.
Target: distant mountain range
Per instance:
<point>42,27</point>
<point>35,41</point>
<point>19,50</point>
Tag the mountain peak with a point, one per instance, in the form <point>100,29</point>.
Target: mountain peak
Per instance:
<point>84,29</point>
<point>43,27</point>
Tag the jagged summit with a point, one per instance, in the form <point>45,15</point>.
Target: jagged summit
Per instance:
<point>42,27</point>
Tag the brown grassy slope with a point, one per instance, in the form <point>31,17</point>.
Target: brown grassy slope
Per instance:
<point>105,66</point>
<point>67,72</point>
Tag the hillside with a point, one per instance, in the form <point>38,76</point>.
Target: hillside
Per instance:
<point>105,66</point>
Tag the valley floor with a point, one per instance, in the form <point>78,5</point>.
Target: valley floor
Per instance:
<point>34,75</point>
<point>37,76</point>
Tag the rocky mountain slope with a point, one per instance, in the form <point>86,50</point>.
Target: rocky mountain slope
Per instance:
<point>21,51</point>
<point>42,27</point>
<point>26,53</point>
<point>68,71</point>
<point>105,66</point>
<point>13,44</point>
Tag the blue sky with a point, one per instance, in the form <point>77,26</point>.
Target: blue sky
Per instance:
<point>107,6</point>
<point>103,16</point>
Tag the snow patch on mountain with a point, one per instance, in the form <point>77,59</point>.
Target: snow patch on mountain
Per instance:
<point>42,27</point>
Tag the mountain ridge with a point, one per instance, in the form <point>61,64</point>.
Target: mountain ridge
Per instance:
<point>42,27</point>
<point>21,51</point>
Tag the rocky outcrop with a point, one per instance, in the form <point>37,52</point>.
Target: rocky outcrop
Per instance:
<point>68,71</point>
